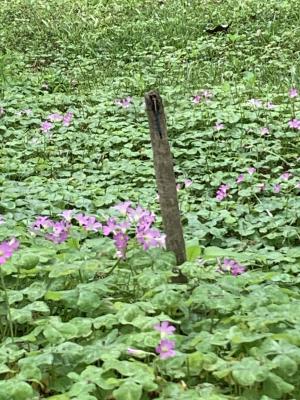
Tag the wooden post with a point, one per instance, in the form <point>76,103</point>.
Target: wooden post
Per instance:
<point>165,177</point>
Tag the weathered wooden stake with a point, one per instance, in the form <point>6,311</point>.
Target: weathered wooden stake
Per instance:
<point>165,177</point>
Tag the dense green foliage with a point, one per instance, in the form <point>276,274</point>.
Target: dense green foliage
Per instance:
<point>70,311</point>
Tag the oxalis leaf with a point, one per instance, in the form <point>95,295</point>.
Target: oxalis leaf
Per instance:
<point>248,371</point>
<point>129,390</point>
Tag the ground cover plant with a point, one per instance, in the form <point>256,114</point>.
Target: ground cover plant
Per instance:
<point>88,306</point>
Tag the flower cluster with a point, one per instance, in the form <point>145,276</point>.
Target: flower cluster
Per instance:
<point>124,103</point>
<point>7,248</point>
<point>232,266</point>
<point>55,231</point>
<point>165,348</point>
<point>137,220</point>
<point>65,119</point>
<point>222,192</point>
<point>202,95</point>
<point>294,123</point>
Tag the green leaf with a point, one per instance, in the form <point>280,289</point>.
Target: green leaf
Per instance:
<point>193,252</point>
<point>275,386</point>
<point>248,371</point>
<point>129,390</point>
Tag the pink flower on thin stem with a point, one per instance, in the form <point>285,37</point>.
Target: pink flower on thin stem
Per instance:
<point>165,328</point>
<point>251,170</point>
<point>135,352</point>
<point>46,126</point>
<point>67,215</point>
<point>232,266</point>
<point>121,242</point>
<point>187,183</point>
<point>123,207</point>
<point>240,179</point>
<point>165,349</point>
<point>286,176</point>
<point>60,232</point>
<point>150,238</point>
<point>222,192</point>
<point>88,222</point>
<point>125,103</point>
<point>277,188</point>
<point>294,123</point>
<point>178,187</point>
<point>264,131</point>
<point>7,248</point>
<point>293,92</point>
<point>67,118</point>
<point>219,126</point>
<point>196,99</point>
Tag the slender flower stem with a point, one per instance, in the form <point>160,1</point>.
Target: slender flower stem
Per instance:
<point>9,318</point>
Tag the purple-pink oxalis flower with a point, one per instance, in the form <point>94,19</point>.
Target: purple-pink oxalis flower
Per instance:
<point>222,192</point>
<point>293,92</point>
<point>294,123</point>
<point>7,248</point>
<point>165,349</point>
<point>165,328</point>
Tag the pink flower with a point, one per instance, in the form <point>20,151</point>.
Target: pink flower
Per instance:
<point>41,222</point>
<point>196,99</point>
<point>178,187</point>
<point>240,179</point>
<point>232,266</point>
<point>60,232</point>
<point>67,215</point>
<point>187,183</point>
<point>121,241</point>
<point>88,223</point>
<point>123,207</point>
<point>165,349</point>
<point>165,328</point>
<point>219,126</point>
<point>150,238</point>
<point>264,131</point>
<point>67,118</point>
<point>285,176</point>
<point>112,226</point>
<point>55,117</point>
<point>7,249</point>
<point>125,103</point>
<point>222,192</point>
<point>255,102</point>
<point>277,188</point>
<point>135,352</point>
<point>135,214</point>
<point>293,92</point>
<point>46,126</point>
<point>294,123</point>
<point>251,170</point>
